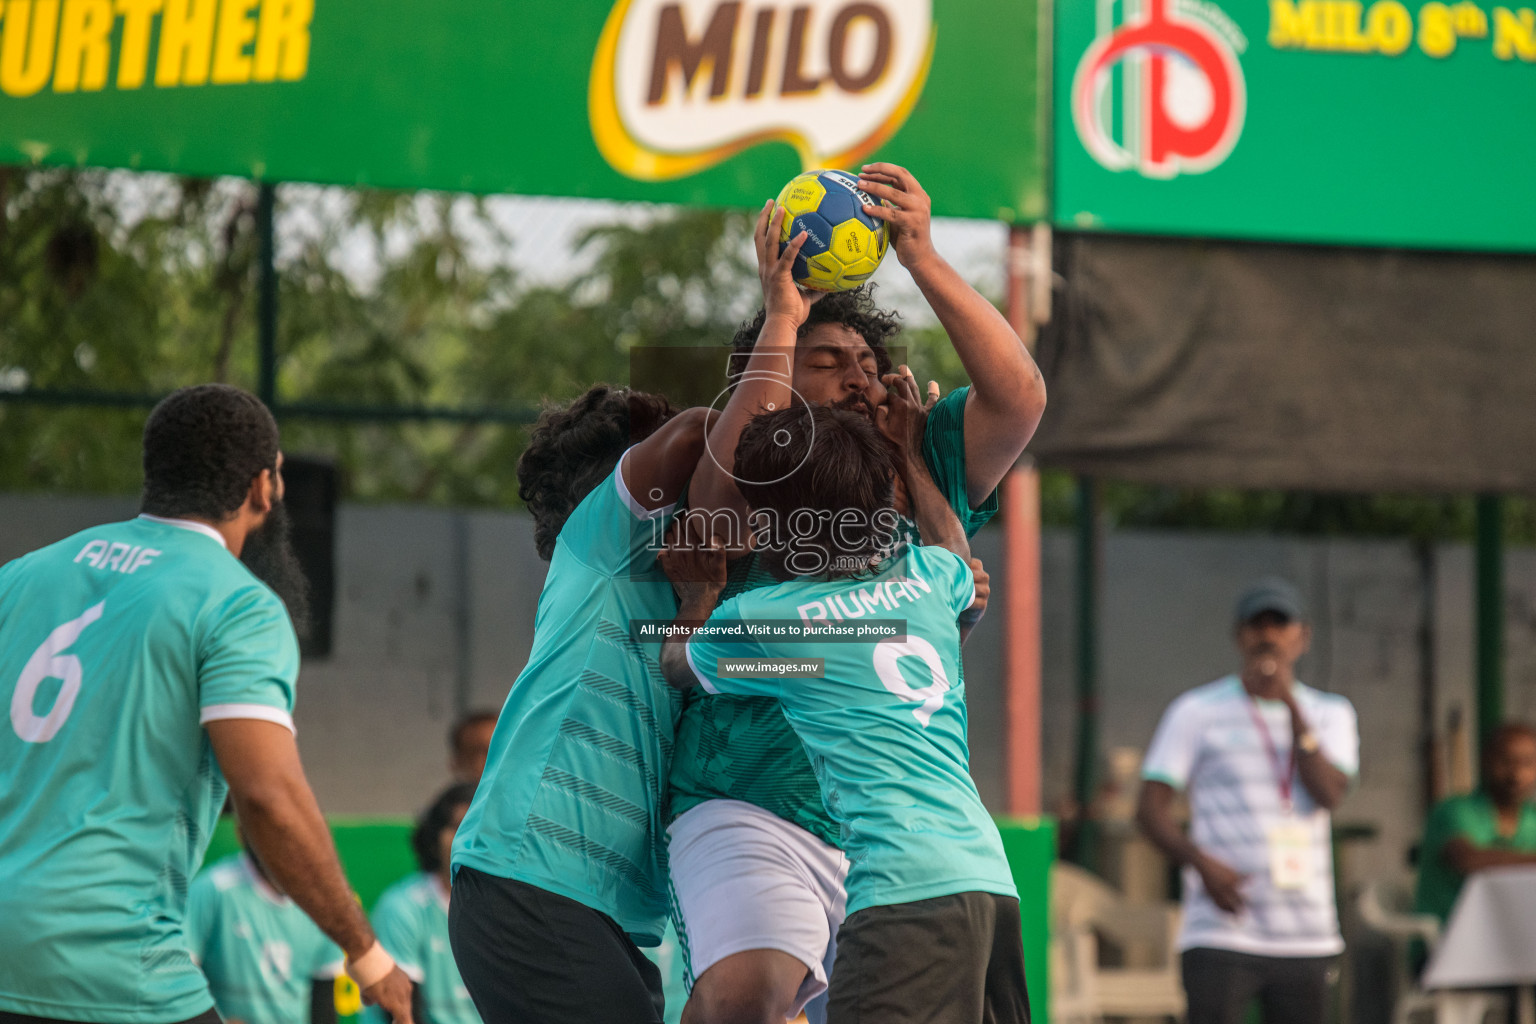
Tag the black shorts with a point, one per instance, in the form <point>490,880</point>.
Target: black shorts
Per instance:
<point>1220,984</point>
<point>949,960</point>
<point>528,956</point>
<point>208,1016</point>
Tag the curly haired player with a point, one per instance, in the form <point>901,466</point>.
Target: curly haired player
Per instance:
<point>933,927</point>
<point>559,865</point>
<point>150,666</point>
<point>755,859</point>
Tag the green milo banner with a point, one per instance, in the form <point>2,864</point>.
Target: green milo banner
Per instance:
<point>1380,122</point>
<point>691,101</point>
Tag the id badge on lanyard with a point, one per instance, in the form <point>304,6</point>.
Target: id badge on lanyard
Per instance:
<point>1291,849</point>
<point>1290,855</point>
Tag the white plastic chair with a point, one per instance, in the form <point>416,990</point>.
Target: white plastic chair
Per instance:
<point>1382,907</point>
<point>1084,907</point>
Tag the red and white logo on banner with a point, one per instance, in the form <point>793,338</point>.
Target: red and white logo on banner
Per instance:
<point>1183,97</point>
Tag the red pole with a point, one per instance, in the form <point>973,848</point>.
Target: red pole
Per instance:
<point>1020,578</point>
<point>1021,637</point>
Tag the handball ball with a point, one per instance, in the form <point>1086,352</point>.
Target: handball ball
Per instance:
<point>843,244</point>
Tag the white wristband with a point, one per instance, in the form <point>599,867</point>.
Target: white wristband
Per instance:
<point>370,968</point>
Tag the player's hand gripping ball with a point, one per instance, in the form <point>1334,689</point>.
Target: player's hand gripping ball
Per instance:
<point>843,244</point>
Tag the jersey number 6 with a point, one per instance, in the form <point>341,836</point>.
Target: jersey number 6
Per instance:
<point>49,662</point>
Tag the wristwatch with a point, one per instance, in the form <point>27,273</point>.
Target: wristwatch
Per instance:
<point>1307,743</point>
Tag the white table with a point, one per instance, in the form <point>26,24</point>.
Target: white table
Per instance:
<point>1490,939</point>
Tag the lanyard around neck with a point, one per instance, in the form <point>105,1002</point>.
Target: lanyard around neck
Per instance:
<point>1283,777</point>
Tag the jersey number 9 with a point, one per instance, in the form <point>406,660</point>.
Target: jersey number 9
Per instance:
<point>889,652</point>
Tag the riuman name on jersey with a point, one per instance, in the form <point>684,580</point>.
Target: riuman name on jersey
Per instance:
<point>116,557</point>
<point>855,604</point>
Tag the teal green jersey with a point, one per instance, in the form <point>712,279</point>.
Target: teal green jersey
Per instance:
<point>741,748</point>
<point>260,953</point>
<point>116,645</point>
<point>411,919</point>
<point>884,725</point>
<point>1474,818</point>
<point>571,798</point>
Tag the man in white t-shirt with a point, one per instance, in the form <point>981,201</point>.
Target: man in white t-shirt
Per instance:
<point>1263,759</point>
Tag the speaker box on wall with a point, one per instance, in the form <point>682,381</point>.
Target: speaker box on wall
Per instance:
<point>311,487</point>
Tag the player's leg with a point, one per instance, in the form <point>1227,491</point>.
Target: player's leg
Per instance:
<point>757,900</point>
<point>530,955</point>
<point>1296,990</point>
<point>924,961</point>
<point>757,986</point>
<point>1218,984</point>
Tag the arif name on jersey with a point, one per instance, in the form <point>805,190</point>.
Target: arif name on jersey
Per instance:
<point>116,557</point>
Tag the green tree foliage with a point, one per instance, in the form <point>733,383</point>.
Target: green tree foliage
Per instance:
<point>89,300</point>
<point>128,284</point>
<point>138,284</point>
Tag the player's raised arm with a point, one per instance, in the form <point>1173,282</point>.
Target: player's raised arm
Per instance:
<point>283,824</point>
<point>900,419</point>
<point>765,383</point>
<point>1007,395</point>
<point>696,568</point>
<point>657,469</point>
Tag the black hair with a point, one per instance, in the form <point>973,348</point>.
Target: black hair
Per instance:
<point>203,446</point>
<point>823,467</point>
<point>575,446</point>
<point>469,718</point>
<point>854,309</point>
<point>433,820</point>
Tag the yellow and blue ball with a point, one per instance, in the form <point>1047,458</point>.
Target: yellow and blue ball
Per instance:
<point>843,244</point>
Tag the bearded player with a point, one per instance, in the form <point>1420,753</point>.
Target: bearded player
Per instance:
<point>145,665</point>
<point>756,871</point>
<point>933,928</point>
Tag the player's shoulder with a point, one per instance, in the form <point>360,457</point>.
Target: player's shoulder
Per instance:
<point>184,557</point>
<point>108,554</point>
<point>935,557</point>
<point>226,586</point>
<point>410,894</point>
<point>609,500</point>
<point>1330,703</point>
<point>405,904</point>
<point>15,568</point>
<point>606,516</point>
<point>230,602</point>
<point>66,549</point>
<point>939,568</point>
<point>948,413</point>
<point>240,588</point>
<point>1208,698</point>
<point>774,594</point>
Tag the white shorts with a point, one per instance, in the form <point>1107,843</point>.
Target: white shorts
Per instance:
<point>743,878</point>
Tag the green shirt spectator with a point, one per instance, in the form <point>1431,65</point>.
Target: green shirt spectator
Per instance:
<point>1494,827</point>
